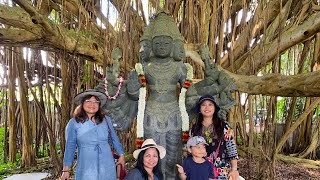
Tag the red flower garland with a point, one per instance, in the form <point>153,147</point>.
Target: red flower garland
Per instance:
<point>139,142</point>
<point>185,136</point>
<point>187,84</point>
<point>143,80</point>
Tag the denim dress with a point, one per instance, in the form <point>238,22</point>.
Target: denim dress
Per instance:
<point>94,156</point>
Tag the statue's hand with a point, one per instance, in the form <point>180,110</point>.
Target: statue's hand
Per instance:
<point>134,84</point>
<point>211,70</point>
<point>205,53</point>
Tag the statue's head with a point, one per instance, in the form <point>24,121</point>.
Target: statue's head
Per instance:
<point>162,31</point>
<point>179,53</point>
<point>145,50</point>
<point>162,46</point>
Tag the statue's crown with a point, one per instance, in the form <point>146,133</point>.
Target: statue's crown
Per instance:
<point>161,25</point>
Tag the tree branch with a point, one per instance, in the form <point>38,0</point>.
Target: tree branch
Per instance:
<point>79,43</point>
<point>37,18</point>
<point>280,85</point>
<point>263,16</point>
<point>289,38</point>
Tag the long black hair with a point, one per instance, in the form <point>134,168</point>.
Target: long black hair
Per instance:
<point>218,123</point>
<point>156,170</point>
<point>81,116</point>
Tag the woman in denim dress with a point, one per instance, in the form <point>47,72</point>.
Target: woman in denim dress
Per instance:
<point>88,132</point>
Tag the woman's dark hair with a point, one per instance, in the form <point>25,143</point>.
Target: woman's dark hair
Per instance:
<point>81,115</point>
<point>156,170</point>
<point>218,125</point>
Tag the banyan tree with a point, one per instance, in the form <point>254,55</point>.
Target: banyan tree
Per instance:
<point>51,50</point>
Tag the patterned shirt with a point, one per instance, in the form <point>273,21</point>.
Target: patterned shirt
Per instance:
<point>227,150</point>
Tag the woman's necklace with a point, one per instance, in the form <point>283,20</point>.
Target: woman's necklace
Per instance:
<point>207,131</point>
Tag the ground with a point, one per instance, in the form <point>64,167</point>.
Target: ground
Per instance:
<point>248,170</point>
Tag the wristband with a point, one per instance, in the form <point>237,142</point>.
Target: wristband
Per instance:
<point>65,170</point>
<point>234,168</point>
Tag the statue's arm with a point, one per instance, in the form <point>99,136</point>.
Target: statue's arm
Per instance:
<point>215,83</point>
<point>183,74</point>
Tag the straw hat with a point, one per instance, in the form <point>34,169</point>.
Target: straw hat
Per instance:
<point>149,143</point>
<point>102,97</point>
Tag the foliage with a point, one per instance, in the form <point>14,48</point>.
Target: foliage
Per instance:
<point>44,150</point>
<point>6,168</point>
<point>3,99</point>
<point>239,140</point>
<point>87,77</point>
<point>54,17</point>
<point>281,108</point>
<point>1,144</point>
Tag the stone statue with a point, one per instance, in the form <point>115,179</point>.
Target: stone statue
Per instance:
<point>216,83</point>
<point>162,56</point>
<point>162,120</point>
<point>121,106</point>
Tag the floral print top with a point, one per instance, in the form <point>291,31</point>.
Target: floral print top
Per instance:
<point>226,150</point>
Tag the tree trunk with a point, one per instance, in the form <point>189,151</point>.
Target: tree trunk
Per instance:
<point>65,98</point>
<point>251,124</point>
<point>28,158</point>
<point>311,150</point>
<point>296,124</point>
<point>6,134</point>
<point>12,107</point>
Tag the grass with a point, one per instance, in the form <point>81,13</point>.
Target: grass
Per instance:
<point>6,167</point>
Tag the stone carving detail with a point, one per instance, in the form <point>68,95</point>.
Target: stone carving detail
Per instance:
<point>162,56</point>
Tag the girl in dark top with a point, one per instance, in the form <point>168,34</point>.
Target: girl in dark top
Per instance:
<point>221,149</point>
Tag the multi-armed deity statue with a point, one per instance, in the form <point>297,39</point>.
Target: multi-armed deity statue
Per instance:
<point>160,69</point>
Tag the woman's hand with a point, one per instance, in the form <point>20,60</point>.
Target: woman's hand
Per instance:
<point>121,161</point>
<point>65,175</point>
<point>233,174</point>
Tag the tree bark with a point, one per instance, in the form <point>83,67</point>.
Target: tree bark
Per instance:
<point>43,33</point>
<point>27,154</point>
<point>262,17</point>
<point>65,99</point>
<point>280,85</point>
<point>12,106</point>
<point>296,124</point>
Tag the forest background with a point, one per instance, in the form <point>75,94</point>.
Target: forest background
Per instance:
<point>52,50</point>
